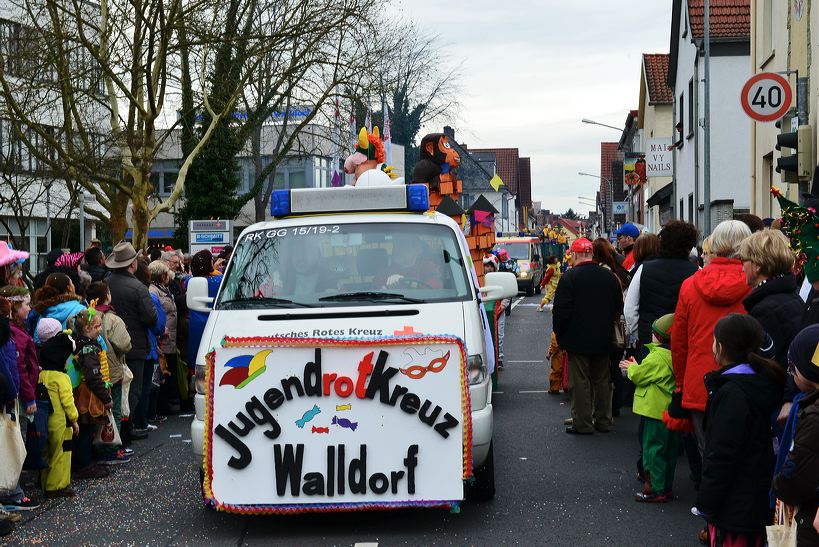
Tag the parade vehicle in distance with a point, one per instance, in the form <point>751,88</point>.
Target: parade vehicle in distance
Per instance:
<point>346,359</point>
<point>526,250</point>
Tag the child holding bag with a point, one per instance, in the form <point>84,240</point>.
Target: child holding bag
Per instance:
<point>93,396</point>
<point>62,422</point>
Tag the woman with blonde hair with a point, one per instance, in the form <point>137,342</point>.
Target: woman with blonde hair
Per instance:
<point>707,251</point>
<point>767,261</point>
<point>705,298</point>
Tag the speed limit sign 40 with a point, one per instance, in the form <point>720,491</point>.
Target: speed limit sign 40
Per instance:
<point>766,97</point>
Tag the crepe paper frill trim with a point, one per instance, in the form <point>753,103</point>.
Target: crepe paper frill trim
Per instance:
<point>277,341</point>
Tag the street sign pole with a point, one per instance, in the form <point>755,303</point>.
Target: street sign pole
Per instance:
<point>706,160</point>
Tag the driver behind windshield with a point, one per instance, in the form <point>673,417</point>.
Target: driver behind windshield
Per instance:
<point>412,266</point>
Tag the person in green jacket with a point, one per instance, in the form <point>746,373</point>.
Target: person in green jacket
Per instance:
<point>654,381</point>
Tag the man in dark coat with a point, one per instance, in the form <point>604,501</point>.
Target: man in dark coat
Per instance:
<point>131,299</point>
<point>588,299</point>
<point>95,264</point>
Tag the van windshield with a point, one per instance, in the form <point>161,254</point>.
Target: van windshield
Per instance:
<point>517,251</point>
<point>343,264</point>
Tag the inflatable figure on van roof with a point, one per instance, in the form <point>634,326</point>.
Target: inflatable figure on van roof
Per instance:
<point>367,162</point>
<point>437,157</point>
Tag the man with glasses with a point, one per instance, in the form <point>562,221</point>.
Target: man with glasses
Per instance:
<point>626,235</point>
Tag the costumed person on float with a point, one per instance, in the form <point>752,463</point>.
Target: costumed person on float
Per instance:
<point>367,165</point>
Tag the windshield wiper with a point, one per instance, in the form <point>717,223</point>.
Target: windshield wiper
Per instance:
<point>369,295</point>
<point>266,301</point>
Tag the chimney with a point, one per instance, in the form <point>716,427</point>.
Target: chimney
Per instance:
<point>449,132</point>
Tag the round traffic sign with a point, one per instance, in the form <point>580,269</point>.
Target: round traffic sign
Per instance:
<point>766,97</point>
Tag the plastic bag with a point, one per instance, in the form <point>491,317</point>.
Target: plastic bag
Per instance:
<point>783,533</point>
<point>12,451</point>
<point>107,433</point>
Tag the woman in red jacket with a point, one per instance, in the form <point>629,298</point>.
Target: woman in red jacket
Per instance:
<point>706,297</point>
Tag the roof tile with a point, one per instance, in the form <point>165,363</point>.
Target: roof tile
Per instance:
<point>656,71</point>
<point>729,18</point>
<point>507,165</point>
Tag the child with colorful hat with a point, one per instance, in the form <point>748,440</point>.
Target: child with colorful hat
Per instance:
<point>654,381</point>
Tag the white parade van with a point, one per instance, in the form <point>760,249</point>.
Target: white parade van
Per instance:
<point>346,359</point>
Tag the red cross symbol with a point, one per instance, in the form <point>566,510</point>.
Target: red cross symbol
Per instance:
<point>406,331</point>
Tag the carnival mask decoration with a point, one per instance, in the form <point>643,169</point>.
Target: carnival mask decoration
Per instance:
<point>369,153</point>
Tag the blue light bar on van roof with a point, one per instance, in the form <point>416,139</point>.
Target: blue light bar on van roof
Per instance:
<point>400,197</point>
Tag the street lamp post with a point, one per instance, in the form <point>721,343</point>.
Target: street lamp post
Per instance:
<point>608,216</point>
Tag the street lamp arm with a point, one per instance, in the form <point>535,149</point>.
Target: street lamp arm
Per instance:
<point>592,122</point>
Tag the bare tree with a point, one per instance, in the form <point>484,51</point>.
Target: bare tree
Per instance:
<point>315,48</point>
<point>106,75</point>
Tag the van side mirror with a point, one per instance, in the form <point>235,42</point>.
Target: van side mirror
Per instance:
<point>197,295</point>
<point>499,285</point>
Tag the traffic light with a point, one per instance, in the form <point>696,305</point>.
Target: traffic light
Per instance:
<point>797,163</point>
<point>787,163</point>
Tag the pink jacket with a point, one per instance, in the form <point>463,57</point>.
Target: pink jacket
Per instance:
<point>27,363</point>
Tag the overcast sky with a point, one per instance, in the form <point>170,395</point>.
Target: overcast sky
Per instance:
<point>534,68</point>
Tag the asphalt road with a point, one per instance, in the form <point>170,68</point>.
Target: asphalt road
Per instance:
<point>552,488</point>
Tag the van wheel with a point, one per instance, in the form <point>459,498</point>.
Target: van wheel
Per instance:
<point>483,489</point>
<point>538,290</point>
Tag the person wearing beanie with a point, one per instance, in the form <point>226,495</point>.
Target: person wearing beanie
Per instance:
<point>796,480</point>
<point>56,479</point>
<point>654,383</point>
<point>48,328</point>
<point>587,302</point>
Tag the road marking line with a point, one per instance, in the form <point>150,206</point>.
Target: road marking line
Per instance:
<point>540,361</point>
<point>516,302</point>
<point>497,392</point>
<point>367,544</point>
<point>177,436</point>
<point>535,391</point>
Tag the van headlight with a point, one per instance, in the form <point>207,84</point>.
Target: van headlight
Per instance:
<point>199,379</point>
<point>524,273</point>
<point>476,369</point>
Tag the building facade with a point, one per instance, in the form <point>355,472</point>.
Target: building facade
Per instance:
<point>730,127</point>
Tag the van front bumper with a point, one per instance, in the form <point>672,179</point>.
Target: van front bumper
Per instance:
<point>198,426</point>
<point>482,426</point>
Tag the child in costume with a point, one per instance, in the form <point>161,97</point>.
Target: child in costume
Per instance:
<point>550,280</point>
<point>118,342</point>
<point>654,381</point>
<point>93,396</point>
<point>62,423</point>
<point>557,356</point>
<point>738,460</point>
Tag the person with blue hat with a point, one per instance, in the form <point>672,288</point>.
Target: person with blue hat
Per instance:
<point>626,235</point>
